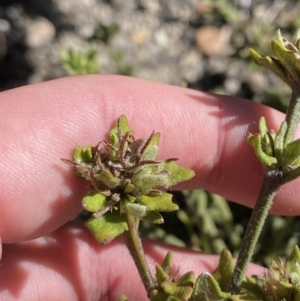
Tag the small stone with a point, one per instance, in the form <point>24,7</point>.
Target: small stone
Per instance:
<point>39,32</point>
<point>140,36</point>
<point>213,41</point>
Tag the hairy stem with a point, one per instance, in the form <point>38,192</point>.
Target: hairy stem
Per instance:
<point>271,183</point>
<point>274,178</point>
<point>292,116</point>
<point>134,245</point>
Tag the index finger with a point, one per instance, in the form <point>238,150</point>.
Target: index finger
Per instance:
<point>42,123</point>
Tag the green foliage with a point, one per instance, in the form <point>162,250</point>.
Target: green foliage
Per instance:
<point>209,222</point>
<point>279,151</point>
<point>105,32</point>
<point>169,288</point>
<point>77,62</point>
<point>281,282</point>
<point>126,179</point>
<point>285,64</point>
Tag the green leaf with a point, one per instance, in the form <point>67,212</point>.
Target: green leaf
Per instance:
<point>161,275</point>
<point>149,178</point>
<point>177,173</point>
<point>123,127</point>
<point>250,291</point>
<point>182,292</point>
<point>106,177</point>
<point>153,217</point>
<point>94,201</point>
<point>83,154</point>
<point>167,262</point>
<point>207,289</point>
<point>187,279</point>
<point>161,202</point>
<point>152,148</point>
<point>224,270</point>
<point>129,188</point>
<point>106,227</point>
<point>291,154</point>
<point>123,298</point>
<point>255,141</point>
<point>262,126</point>
<point>169,288</point>
<point>162,296</point>
<point>269,63</point>
<point>292,263</point>
<point>136,209</point>
<point>288,59</point>
<point>279,139</point>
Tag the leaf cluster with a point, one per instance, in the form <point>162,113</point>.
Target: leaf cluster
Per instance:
<point>125,179</point>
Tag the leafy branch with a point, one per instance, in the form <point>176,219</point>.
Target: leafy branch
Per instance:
<point>127,185</point>
<point>278,152</point>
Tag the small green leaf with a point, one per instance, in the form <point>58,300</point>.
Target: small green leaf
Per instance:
<point>129,188</point>
<point>187,279</point>
<point>207,289</point>
<point>153,217</point>
<point>130,198</point>
<point>121,127</point>
<point>107,227</point>
<point>148,178</point>
<point>250,291</point>
<point>288,59</point>
<point>94,201</point>
<point>291,154</point>
<point>123,298</point>
<point>279,139</point>
<point>162,202</point>
<point>224,270</point>
<point>255,141</point>
<point>182,292</point>
<point>162,296</point>
<point>106,177</point>
<point>167,262</point>
<point>285,290</point>
<point>169,288</point>
<point>262,126</point>
<point>152,148</point>
<point>292,263</point>
<point>83,154</point>
<point>136,209</point>
<point>269,63</point>
<point>161,275</point>
<point>177,173</point>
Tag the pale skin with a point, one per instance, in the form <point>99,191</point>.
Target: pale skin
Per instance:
<point>39,194</point>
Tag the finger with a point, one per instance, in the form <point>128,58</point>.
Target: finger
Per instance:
<point>42,123</point>
<point>70,265</point>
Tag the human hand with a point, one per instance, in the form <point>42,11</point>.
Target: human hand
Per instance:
<point>42,123</point>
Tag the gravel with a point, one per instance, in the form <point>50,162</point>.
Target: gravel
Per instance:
<point>167,41</point>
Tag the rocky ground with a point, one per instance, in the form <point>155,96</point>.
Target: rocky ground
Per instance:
<point>200,44</point>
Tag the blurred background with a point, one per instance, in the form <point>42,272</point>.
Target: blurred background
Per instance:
<point>192,43</point>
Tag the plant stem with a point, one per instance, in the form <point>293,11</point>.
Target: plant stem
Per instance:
<point>292,116</point>
<point>134,245</point>
<point>274,178</point>
<point>271,183</point>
